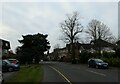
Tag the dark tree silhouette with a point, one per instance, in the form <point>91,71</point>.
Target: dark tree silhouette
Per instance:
<point>33,47</point>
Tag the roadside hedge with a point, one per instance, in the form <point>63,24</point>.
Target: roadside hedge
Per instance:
<point>112,61</point>
<point>107,57</point>
<point>84,57</point>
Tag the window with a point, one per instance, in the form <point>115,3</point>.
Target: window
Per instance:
<point>6,44</point>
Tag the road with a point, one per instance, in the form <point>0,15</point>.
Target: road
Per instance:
<point>78,73</point>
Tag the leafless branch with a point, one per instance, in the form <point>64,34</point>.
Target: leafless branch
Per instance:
<point>98,30</point>
<point>71,27</point>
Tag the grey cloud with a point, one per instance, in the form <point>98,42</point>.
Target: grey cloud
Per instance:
<point>29,18</point>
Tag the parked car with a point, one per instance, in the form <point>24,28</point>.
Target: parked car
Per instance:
<point>7,66</point>
<point>97,63</point>
<point>15,61</point>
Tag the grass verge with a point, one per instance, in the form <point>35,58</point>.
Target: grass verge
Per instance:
<point>28,74</point>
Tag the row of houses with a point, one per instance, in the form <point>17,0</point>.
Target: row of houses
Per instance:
<point>92,47</point>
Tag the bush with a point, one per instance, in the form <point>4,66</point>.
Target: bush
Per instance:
<point>9,57</point>
<point>67,59</point>
<point>110,54</point>
<point>107,57</point>
<point>84,57</point>
<point>112,61</point>
<point>117,53</point>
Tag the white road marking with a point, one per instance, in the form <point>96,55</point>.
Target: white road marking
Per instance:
<point>62,75</point>
<point>96,72</point>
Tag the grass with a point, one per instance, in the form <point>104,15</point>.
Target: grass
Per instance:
<point>28,74</point>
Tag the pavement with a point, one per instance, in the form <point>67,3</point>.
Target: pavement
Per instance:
<point>7,75</point>
<point>61,72</point>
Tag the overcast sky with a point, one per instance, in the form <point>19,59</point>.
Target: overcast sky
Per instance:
<point>22,18</point>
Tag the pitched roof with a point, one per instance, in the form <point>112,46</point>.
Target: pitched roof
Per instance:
<point>86,46</point>
<point>101,43</point>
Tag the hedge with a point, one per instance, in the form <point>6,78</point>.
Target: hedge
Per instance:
<point>112,61</point>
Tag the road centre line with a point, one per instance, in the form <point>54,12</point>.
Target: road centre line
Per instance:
<point>96,72</point>
<point>62,75</point>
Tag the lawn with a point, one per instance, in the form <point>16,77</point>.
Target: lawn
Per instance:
<point>28,74</point>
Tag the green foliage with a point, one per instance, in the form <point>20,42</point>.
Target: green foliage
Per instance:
<point>107,57</point>
<point>10,56</point>
<point>32,74</point>
<point>117,53</point>
<point>67,59</point>
<point>113,61</point>
<point>33,47</point>
<point>110,54</point>
<point>84,57</point>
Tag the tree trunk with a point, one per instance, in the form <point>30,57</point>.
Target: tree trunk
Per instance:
<point>73,54</point>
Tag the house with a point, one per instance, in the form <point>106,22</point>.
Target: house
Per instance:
<point>102,45</point>
<point>4,47</point>
<point>92,47</point>
<point>86,47</point>
<point>60,53</point>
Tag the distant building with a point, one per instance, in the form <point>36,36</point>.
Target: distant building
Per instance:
<point>51,55</point>
<point>4,47</point>
<point>102,45</point>
<point>60,53</point>
<point>91,47</point>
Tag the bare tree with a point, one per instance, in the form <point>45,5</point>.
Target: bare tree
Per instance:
<point>98,30</point>
<point>71,27</point>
